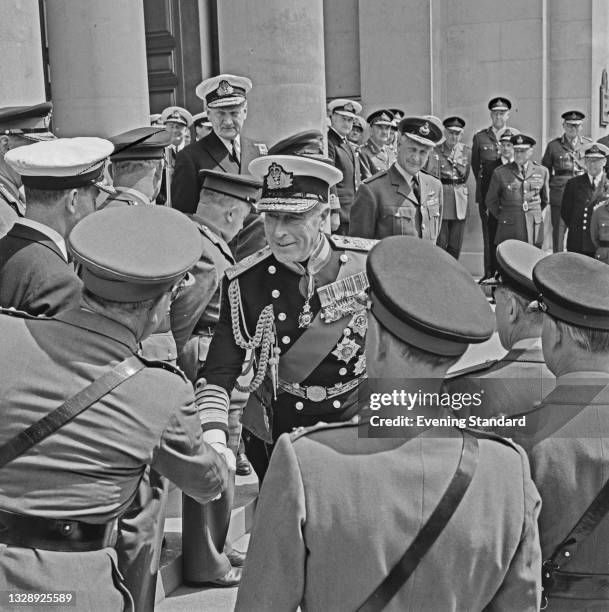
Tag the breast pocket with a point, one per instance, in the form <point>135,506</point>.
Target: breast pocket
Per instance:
<point>401,220</point>
<point>603,230</point>
<point>433,217</point>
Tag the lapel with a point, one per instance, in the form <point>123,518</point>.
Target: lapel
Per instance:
<point>219,153</point>
<point>513,166</point>
<point>400,184</point>
<point>29,233</point>
<point>249,152</point>
<point>491,134</point>
<point>213,236</point>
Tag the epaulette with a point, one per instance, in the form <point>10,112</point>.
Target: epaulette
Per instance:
<point>477,367</point>
<point>489,435</point>
<point>20,314</point>
<point>352,243</point>
<point>164,365</point>
<point>207,233</point>
<point>248,262</point>
<point>299,432</point>
<point>603,203</point>
<point>376,176</point>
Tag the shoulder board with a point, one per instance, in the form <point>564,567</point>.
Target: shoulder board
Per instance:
<point>478,367</point>
<point>20,314</point>
<point>376,176</point>
<point>156,363</point>
<point>304,431</point>
<point>207,232</point>
<point>248,262</point>
<point>489,435</point>
<point>262,149</point>
<point>428,172</point>
<point>352,243</point>
<point>603,203</point>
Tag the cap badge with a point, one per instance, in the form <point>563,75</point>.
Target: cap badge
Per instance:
<point>424,129</point>
<point>225,88</point>
<point>519,140</point>
<point>278,178</point>
<point>175,115</point>
<point>349,108</point>
<point>385,117</point>
<point>594,149</point>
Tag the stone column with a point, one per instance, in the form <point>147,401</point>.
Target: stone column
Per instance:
<point>279,45</point>
<point>21,71</point>
<point>97,54</point>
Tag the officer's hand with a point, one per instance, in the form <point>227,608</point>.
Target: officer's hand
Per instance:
<point>334,221</point>
<point>227,453</point>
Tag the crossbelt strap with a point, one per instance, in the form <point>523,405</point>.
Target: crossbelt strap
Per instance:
<point>72,407</point>
<point>434,526</point>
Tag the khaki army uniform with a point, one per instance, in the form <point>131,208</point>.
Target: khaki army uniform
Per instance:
<point>374,159</point>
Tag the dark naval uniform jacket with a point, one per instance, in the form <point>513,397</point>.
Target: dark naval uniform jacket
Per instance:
<point>485,150</point>
<point>567,441</point>
<point>599,231</point>
<point>209,153</point>
<point>386,206</point>
<point>563,161</point>
<point>336,512</point>
<point>12,205</point>
<point>319,367</point>
<point>34,275</point>
<point>90,468</point>
<point>342,154</point>
<point>578,202</point>
<point>451,167</point>
<point>374,159</point>
<point>517,201</point>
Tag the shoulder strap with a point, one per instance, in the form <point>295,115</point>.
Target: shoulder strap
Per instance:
<point>434,526</point>
<point>71,408</point>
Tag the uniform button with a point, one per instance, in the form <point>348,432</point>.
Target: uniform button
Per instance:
<point>336,404</point>
<point>286,339</point>
<point>272,269</point>
<point>344,258</point>
<point>299,406</point>
<point>282,316</point>
<point>422,225</point>
<point>296,385</point>
<point>567,553</point>
<point>275,293</point>
<point>342,371</point>
<point>346,332</point>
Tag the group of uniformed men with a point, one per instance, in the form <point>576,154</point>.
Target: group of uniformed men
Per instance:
<point>261,282</point>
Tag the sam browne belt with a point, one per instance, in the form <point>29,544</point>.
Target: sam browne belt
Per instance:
<point>316,393</point>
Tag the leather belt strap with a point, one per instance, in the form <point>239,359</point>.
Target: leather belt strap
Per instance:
<point>315,393</point>
<point>53,534</point>
<point>552,582</point>
<point>571,585</point>
<point>72,407</point>
<point>434,526</point>
<point>452,181</point>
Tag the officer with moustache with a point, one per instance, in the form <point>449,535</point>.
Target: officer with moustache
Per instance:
<point>485,150</point>
<point>517,195</point>
<point>298,305</point>
<point>563,158</point>
<point>403,200</point>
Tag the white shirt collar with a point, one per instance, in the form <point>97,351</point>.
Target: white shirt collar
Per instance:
<point>527,343</point>
<point>595,180</point>
<point>134,193</point>
<point>229,143</point>
<point>56,237</point>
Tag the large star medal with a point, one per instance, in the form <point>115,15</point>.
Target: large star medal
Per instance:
<point>360,365</point>
<point>359,323</point>
<point>346,349</point>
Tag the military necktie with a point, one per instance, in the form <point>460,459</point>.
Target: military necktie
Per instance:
<point>235,157</point>
<point>416,190</point>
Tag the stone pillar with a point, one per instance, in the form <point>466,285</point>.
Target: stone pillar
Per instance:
<point>97,54</point>
<point>21,72</point>
<point>279,45</point>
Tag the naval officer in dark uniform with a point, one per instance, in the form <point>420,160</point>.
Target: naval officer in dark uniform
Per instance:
<point>340,508</point>
<point>297,304</point>
<point>59,499</point>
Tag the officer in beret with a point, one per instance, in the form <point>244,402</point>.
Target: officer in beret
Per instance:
<point>517,195</point>
<point>486,150</point>
<point>563,159</point>
<point>297,304</point>
<point>59,500</point>
<point>226,199</point>
<point>342,116</point>
<point>137,166</point>
<point>201,124</point>
<point>62,180</point>
<point>19,126</point>
<point>450,162</point>
<point>376,155</point>
<point>341,505</point>
<point>517,382</point>
<point>403,200</point>
<point>567,436</point>
<point>581,194</point>
<point>225,148</point>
